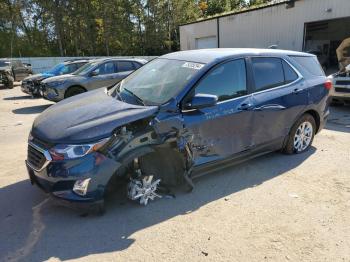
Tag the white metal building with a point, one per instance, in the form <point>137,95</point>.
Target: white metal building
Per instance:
<point>301,25</point>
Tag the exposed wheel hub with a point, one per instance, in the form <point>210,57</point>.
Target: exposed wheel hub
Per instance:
<point>143,189</point>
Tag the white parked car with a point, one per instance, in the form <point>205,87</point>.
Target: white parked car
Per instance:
<point>341,86</point>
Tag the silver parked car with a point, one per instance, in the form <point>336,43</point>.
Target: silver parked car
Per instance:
<point>98,73</point>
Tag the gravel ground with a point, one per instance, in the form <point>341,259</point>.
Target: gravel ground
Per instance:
<point>273,208</point>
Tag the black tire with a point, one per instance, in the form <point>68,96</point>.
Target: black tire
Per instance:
<point>165,164</point>
<point>73,91</point>
<point>9,82</point>
<point>290,147</point>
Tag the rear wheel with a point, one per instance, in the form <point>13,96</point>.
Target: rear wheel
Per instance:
<point>74,90</point>
<point>301,135</point>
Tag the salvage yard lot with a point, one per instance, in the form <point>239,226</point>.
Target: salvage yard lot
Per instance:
<point>273,208</point>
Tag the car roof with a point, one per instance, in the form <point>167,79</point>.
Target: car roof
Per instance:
<point>76,61</point>
<point>209,55</point>
<point>143,61</point>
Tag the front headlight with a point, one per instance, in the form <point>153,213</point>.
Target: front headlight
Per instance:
<point>64,152</point>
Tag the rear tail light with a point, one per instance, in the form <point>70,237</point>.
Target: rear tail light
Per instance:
<point>328,84</point>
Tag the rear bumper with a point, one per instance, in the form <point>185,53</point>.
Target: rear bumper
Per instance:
<point>323,120</point>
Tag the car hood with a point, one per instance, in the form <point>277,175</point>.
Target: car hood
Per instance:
<point>37,77</point>
<point>62,77</point>
<point>87,117</point>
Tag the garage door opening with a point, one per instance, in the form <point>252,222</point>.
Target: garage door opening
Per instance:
<point>206,42</point>
<point>322,38</point>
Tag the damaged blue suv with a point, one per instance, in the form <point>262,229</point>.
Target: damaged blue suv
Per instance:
<point>176,118</point>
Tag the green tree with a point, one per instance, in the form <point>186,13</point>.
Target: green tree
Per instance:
<point>100,27</point>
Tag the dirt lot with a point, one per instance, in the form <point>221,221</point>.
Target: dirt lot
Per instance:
<point>274,208</point>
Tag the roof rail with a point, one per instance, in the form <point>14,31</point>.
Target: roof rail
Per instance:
<point>76,59</point>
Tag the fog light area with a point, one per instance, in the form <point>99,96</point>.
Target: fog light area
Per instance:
<point>81,186</point>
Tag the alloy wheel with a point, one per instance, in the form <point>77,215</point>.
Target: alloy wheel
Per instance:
<point>303,136</point>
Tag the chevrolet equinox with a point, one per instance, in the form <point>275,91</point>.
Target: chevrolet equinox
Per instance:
<point>176,118</point>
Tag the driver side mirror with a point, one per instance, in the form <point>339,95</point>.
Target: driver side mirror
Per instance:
<point>94,73</point>
<point>201,101</point>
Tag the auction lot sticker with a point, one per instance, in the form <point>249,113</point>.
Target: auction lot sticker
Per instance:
<point>195,66</point>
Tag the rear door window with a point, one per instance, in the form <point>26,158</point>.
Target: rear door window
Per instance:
<point>310,64</point>
<point>80,64</point>
<point>69,68</point>
<point>106,68</point>
<point>137,65</point>
<point>268,72</point>
<point>125,66</point>
<point>226,81</point>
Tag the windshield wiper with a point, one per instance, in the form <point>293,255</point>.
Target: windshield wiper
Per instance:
<point>138,98</point>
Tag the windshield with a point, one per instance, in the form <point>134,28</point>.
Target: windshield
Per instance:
<point>56,69</point>
<point>4,63</point>
<point>159,80</point>
<point>85,68</point>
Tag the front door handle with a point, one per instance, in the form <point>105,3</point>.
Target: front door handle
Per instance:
<point>245,106</point>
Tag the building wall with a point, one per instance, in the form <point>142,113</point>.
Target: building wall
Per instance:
<point>189,34</point>
<point>264,27</point>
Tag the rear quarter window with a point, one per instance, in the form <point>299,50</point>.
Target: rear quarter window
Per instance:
<point>310,64</point>
<point>289,74</point>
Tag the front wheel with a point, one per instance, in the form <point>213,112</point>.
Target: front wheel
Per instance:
<point>73,91</point>
<point>9,82</point>
<point>301,135</point>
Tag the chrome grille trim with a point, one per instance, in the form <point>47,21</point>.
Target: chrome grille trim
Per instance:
<point>46,154</point>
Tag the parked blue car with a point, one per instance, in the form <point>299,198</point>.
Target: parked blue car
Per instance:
<point>176,118</point>
<point>31,85</point>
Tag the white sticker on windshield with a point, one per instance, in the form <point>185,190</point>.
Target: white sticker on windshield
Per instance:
<point>195,66</point>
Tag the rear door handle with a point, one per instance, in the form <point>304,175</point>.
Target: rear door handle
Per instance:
<point>297,90</point>
<point>245,106</point>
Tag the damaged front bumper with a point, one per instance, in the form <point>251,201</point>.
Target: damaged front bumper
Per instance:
<point>51,93</point>
<point>80,180</point>
<point>26,87</point>
<point>31,87</point>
